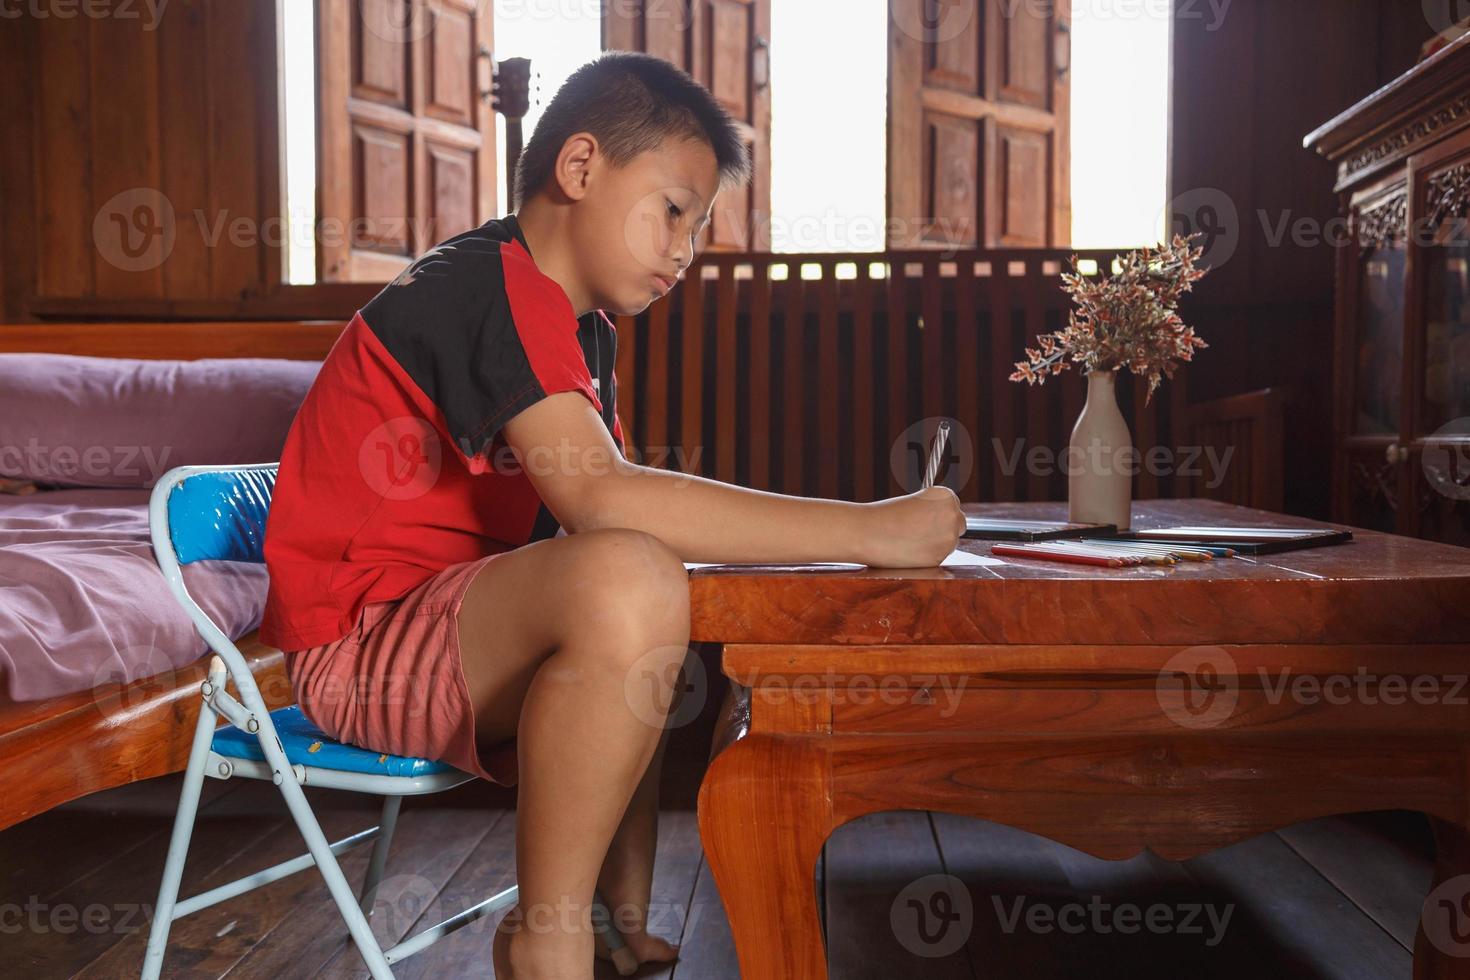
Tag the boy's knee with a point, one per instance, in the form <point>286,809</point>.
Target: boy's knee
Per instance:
<point>636,573</point>
<point>627,554</point>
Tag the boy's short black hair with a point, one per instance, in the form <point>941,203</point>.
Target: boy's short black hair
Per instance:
<point>631,102</point>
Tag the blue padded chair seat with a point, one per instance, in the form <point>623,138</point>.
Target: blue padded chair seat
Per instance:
<point>306,745</point>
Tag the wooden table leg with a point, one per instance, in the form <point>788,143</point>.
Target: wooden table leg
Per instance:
<point>1442,943</point>
<point>764,812</point>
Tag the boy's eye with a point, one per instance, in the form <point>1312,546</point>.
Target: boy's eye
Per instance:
<point>674,211</point>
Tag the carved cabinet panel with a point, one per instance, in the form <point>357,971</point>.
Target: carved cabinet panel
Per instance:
<point>1401,432</point>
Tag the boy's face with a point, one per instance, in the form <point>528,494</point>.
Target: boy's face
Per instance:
<point>638,223</point>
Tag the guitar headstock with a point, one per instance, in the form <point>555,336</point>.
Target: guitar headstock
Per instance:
<point>511,90</point>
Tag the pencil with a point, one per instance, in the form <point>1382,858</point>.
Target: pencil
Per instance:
<point>1074,557</point>
<point>1178,551</point>
<point>936,453</point>
<point>1146,557</point>
<point>1070,546</point>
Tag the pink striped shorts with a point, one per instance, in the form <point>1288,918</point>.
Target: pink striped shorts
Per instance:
<point>395,683</point>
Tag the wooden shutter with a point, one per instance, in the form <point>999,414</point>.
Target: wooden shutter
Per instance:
<point>725,45</point>
<point>407,136</point>
<point>978,125</point>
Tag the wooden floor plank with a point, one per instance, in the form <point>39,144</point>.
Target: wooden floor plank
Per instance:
<point>123,835</point>
<point>1372,858</point>
<point>39,857</point>
<point>1006,873</point>
<point>488,870</point>
<point>1295,921</point>
<point>1148,917</point>
<point>210,942</point>
<point>708,950</point>
<point>887,902</point>
<point>427,850</point>
<point>1330,899</point>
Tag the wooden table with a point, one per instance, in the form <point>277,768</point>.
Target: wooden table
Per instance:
<point>1108,709</point>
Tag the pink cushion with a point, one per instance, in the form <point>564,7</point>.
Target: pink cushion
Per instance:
<point>77,421</point>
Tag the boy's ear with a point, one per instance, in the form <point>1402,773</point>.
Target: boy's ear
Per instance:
<point>574,164</point>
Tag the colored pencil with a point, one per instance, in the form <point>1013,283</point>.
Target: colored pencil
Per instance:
<point>1048,554</point>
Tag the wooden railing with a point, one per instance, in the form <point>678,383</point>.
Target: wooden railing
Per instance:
<point>712,380</point>
<point>799,373</point>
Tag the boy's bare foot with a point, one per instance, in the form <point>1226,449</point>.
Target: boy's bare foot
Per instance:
<point>631,919</point>
<point>645,948</point>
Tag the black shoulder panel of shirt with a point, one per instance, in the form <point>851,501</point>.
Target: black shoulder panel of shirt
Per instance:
<point>446,320</point>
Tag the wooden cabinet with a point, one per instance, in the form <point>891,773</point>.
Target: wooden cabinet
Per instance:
<point>1401,419</point>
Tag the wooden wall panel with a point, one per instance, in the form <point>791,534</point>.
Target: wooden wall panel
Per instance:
<point>992,68</point>
<point>451,94</point>
<point>1022,175</point>
<point>400,104</point>
<point>20,240</point>
<point>151,157</point>
<point>380,62</point>
<point>1024,51</point>
<point>955,157</point>
<point>953,60</point>
<point>66,262</point>
<point>184,108</point>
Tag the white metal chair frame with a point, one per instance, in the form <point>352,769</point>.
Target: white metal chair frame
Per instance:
<point>249,714</point>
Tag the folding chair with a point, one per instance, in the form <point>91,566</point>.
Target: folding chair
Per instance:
<point>201,513</point>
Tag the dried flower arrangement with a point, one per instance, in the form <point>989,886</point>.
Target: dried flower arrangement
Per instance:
<point>1126,319</point>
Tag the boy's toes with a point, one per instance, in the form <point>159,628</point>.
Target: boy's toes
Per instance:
<point>651,948</point>
<point>645,948</point>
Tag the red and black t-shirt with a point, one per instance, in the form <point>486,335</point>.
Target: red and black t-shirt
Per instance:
<point>395,468</point>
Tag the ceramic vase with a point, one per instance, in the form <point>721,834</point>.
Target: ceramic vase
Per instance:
<point>1100,458</point>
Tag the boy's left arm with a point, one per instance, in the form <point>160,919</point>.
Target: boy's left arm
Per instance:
<point>569,455</point>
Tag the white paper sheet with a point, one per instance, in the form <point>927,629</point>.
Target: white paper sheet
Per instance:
<point>956,559</point>
<point>780,566</point>
<point>962,558</point>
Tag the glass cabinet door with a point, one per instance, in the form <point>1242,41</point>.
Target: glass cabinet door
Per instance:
<point>1446,259</point>
<point>1378,335</point>
<point>1441,493</point>
<point>1372,491</point>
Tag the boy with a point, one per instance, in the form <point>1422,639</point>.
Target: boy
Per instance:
<point>466,417</point>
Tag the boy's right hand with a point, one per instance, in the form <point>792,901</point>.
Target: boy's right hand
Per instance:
<point>917,530</point>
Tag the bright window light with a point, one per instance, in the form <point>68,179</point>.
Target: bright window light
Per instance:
<point>298,99</point>
<point>1120,123</point>
<point>559,38</point>
<point>828,162</point>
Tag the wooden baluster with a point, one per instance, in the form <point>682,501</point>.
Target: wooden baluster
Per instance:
<point>1039,398</point>
<point>935,365</point>
<point>792,430</point>
<point>1003,355</point>
<point>656,389</point>
<point>828,421</point>
<point>1181,485</point>
<point>725,374</point>
<point>692,374</point>
<point>864,405</point>
<point>895,371</point>
<point>968,368</point>
<point>761,441</point>
<point>1145,436</point>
